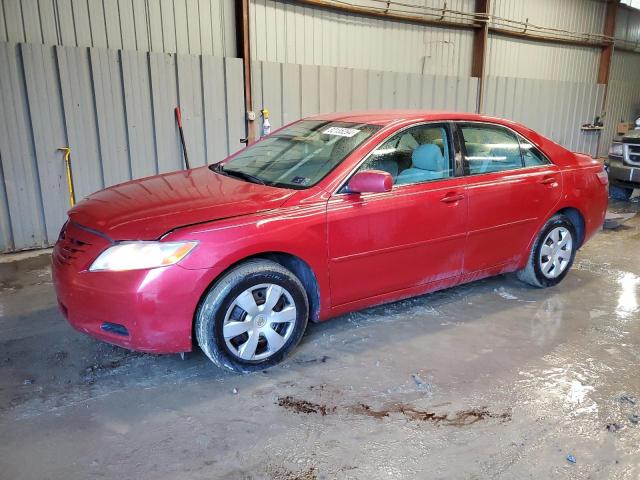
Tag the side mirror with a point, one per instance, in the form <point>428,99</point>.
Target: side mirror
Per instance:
<point>370,181</point>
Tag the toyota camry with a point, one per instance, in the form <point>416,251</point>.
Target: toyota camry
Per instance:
<point>327,215</point>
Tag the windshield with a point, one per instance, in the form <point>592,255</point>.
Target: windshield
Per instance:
<point>298,156</point>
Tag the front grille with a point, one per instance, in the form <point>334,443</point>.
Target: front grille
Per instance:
<point>632,154</point>
<point>69,248</point>
<point>77,245</point>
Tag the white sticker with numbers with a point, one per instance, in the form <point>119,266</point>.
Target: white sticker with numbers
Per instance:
<point>342,132</point>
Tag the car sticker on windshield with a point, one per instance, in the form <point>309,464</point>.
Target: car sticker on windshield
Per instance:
<point>300,180</point>
<point>342,132</point>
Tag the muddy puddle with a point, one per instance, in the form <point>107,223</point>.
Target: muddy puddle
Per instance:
<point>303,406</point>
<point>459,418</point>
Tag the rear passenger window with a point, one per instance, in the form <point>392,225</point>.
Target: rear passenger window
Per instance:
<point>490,149</point>
<point>530,154</point>
<point>418,154</point>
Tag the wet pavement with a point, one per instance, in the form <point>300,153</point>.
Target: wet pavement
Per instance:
<point>489,380</point>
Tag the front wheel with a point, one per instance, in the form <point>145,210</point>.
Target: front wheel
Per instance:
<point>252,317</point>
<point>552,254</point>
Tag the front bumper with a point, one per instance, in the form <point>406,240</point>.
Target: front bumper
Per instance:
<point>155,306</point>
<point>622,174</point>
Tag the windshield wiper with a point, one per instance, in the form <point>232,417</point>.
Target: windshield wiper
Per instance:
<point>239,174</point>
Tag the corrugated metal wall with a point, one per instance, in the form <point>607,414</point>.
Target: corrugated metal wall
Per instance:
<point>19,166</point>
<point>623,97</point>
<point>114,105</point>
<point>628,24</point>
<point>555,109</point>
<point>512,57</point>
<point>285,32</point>
<point>170,26</point>
<point>293,91</point>
<point>551,88</point>
<point>573,15</point>
<point>288,33</point>
<point>115,110</point>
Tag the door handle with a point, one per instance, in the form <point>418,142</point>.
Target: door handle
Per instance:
<point>548,181</point>
<point>452,197</point>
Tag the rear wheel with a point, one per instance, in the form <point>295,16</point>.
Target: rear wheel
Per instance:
<point>552,254</point>
<point>620,193</point>
<point>252,317</point>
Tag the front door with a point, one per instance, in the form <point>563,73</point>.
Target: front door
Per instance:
<point>413,235</point>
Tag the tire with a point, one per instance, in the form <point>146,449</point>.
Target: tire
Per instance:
<point>620,193</point>
<point>256,327</point>
<point>542,270</point>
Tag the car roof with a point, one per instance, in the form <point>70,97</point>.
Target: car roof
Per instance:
<point>388,117</point>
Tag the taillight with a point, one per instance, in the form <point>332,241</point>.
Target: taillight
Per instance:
<point>603,177</point>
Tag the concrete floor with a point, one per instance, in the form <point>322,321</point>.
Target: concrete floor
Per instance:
<point>488,380</point>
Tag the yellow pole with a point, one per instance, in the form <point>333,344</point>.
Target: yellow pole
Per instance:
<point>67,164</point>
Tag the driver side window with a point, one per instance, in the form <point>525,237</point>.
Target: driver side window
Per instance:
<point>416,155</point>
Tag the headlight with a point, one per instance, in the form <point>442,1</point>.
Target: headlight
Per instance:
<point>141,255</point>
<point>616,150</point>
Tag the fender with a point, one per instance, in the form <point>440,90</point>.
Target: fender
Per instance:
<point>298,231</point>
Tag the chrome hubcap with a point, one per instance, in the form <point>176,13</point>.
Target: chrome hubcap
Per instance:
<point>259,321</point>
<point>555,252</point>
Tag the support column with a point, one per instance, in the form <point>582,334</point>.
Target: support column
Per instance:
<point>607,50</point>
<point>244,48</point>
<point>479,52</point>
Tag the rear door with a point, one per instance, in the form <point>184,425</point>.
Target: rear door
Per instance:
<point>413,235</point>
<point>511,187</point>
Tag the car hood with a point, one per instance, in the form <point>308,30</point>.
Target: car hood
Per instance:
<point>146,209</point>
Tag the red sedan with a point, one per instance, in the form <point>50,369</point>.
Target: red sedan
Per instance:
<point>327,215</point>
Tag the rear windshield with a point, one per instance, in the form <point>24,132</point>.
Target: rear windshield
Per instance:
<point>300,155</point>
